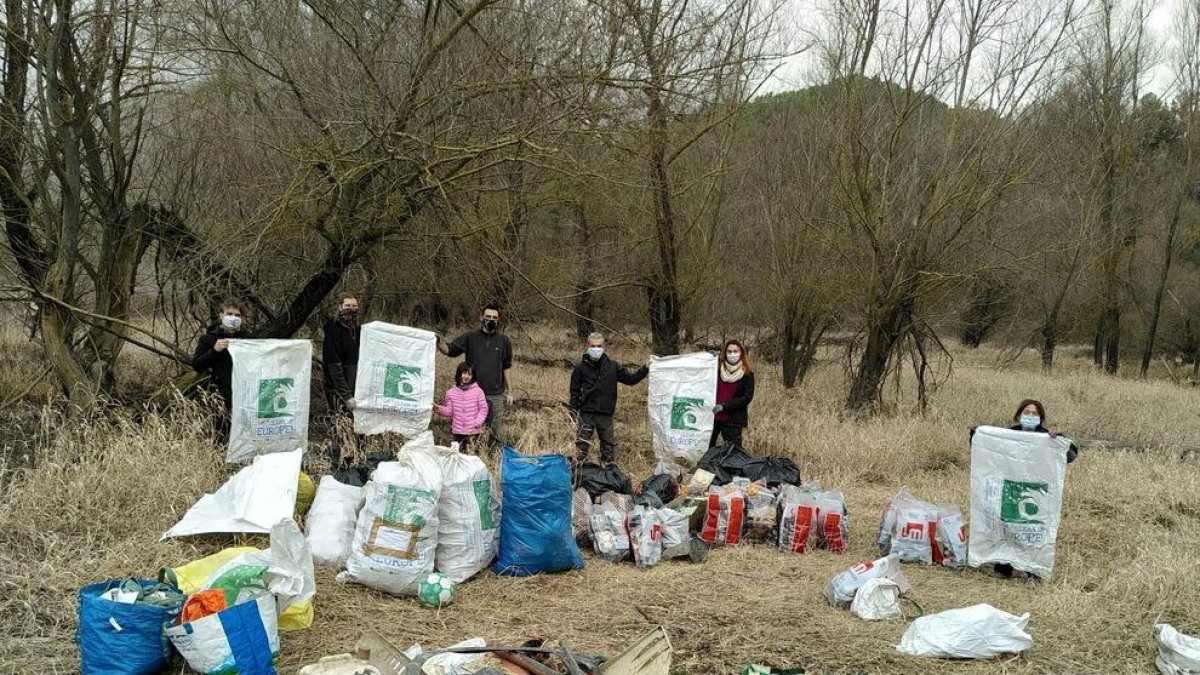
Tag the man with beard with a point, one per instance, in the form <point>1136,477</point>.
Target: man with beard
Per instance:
<point>490,354</point>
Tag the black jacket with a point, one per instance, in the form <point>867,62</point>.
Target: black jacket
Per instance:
<point>217,365</point>
<point>339,358</point>
<point>594,384</point>
<point>738,406</point>
<point>490,354</point>
<point>1072,452</point>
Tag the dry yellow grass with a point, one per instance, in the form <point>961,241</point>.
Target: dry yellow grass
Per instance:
<point>102,492</point>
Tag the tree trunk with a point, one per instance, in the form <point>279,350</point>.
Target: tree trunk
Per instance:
<point>1049,332</point>
<point>584,302</point>
<point>884,331</point>
<point>662,295</point>
<point>1159,290</point>
<point>800,338</point>
<point>514,237</point>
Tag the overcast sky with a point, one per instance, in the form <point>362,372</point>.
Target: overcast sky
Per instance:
<point>795,72</point>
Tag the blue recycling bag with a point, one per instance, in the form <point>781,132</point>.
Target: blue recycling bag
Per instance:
<point>535,516</point>
<point>122,639</point>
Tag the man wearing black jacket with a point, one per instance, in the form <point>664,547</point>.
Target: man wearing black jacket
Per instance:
<point>339,357</point>
<point>212,359</point>
<point>594,397</point>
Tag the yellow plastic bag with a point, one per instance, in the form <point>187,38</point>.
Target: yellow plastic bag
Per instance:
<point>306,490</point>
<point>193,576</point>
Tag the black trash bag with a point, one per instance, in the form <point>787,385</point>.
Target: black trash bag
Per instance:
<point>648,499</point>
<point>772,470</point>
<point>662,485</point>
<point>598,479</point>
<point>725,462</point>
<point>345,470</point>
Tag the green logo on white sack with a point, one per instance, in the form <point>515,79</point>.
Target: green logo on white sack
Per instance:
<point>273,398</point>
<point>402,382</point>
<point>1021,502</point>
<point>684,415</point>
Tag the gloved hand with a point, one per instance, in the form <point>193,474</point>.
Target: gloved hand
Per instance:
<point>509,399</point>
<point>351,403</point>
<point>718,408</point>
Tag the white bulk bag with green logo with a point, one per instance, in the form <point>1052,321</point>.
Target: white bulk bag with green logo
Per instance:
<point>394,386</point>
<point>468,516</point>
<point>683,391</point>
<point>271,381</point>
<point>1016,498</point>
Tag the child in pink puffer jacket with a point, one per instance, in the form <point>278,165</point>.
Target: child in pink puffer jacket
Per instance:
<point>466,407</point>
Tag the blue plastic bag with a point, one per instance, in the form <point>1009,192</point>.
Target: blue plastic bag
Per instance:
<point>535,516</point>
<point>122,639</point>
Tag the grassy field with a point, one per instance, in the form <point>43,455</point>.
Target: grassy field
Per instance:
<point>101,492</point>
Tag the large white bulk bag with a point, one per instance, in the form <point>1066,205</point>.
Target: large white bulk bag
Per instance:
<point>396,536</point>
<point>682,393</point>
<point>468,516</point>
<point>271,384</point>
<point>393,388</point>
<point>330,521</point>
<point>1016,498</point>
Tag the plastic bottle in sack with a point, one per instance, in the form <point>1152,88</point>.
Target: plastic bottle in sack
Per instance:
<point>950,542</point>
<point>609,538</point>
<point>841,589</point>
<point>645,536</point>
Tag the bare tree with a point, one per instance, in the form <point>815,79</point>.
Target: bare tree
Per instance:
<point>918,184</point>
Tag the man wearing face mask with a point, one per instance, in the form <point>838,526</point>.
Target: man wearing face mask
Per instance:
<point>339,356</point>
<point>212,359</point>
<point>594,397</point>
<point>490,354</point>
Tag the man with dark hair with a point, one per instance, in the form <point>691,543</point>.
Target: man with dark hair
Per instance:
<point>490,354</point>
<point>212,359</point>
<point>339,356</point>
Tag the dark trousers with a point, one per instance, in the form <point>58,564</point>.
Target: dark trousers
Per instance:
<point>221,418</point>
<point>730,434</point>
<point>601,426</point>
<point>468,443</point>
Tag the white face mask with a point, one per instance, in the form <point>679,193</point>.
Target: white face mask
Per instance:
<point>231,322</point>
<point>733,358</point>
<point>595,353</point>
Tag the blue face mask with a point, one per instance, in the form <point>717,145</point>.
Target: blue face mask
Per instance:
<point>231,322</point>
<point>595,353</point>
<point>1029,422</point>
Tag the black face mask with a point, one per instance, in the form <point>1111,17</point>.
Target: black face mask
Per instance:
<point>489,325</point>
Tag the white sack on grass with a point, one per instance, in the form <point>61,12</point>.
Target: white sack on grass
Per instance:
<point>876,600</point>
<point>976,632</point>
<point>395,540</point>
<point>271,385</point>
<point>1016,498</point>
<point>254,500</point>
<point>393,388</point>
<point>330,521</point>
<point>468,516</point>
<point>1178,654</point>
<point>682,393</point>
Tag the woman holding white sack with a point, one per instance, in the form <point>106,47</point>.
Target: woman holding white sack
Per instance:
<point>1030,417</point>
<point>735,391</point>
